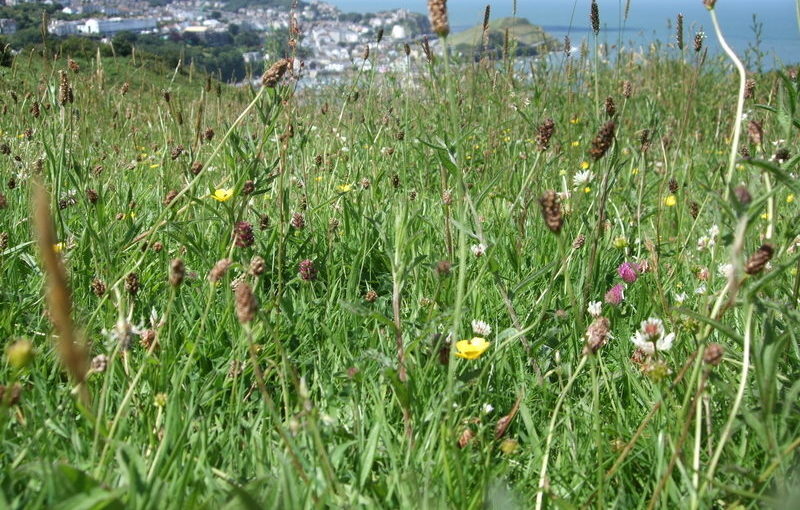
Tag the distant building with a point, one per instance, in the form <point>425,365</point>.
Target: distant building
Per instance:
<point>63,28</point>
<point>7,26</point>
<point>114,25</point>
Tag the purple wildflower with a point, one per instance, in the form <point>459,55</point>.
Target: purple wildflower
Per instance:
<point>628,272</point>
<point>615,295</point>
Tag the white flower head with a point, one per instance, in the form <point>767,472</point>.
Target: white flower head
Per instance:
<point>481,328</point>
<point>680,298</point>
<point>595,308</point>
<point>651,337</point>
<point>713,231</point>
<point>725,270</point>
<point>479,250</point>
<point>582,178</point>
<point>487,408</point>
<point>701,289</point>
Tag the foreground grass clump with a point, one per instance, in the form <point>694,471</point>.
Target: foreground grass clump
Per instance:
<point>459,287</point>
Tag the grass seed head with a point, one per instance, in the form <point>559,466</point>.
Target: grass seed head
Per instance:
<point>246,305</point>
<point>177,272</point>
<point>274,74</point>
<point>602,142</point>
<point>437,12</point>
<point>551,211</point>
<point>132,284</point>
<point>219,270</point>
<point>594,17</point>
<point>755,264</point>
<point>545,133</point>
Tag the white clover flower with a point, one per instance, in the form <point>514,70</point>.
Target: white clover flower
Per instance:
<point>680,298</point>
<point>651,337</point>
<point>713,231</point>
<point>487,408</point>
<point>582,178</point>
<point>481,328</point>
<point>701,289</point>
<point>725,270</point>
<point>595,308</point>
<point>479,250</point>
<point>703,243</point>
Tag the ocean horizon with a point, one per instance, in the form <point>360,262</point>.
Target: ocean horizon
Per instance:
<point>769,25</point>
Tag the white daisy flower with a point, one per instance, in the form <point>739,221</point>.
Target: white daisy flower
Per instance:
<point>582,178</point>
<point>595,308</point>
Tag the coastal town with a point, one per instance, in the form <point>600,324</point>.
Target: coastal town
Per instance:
<point>329,40</point>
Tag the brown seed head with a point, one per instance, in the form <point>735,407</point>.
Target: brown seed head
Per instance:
<point>743,195</point>
<point>579,242</point>
<point>466,437</point>
<point>219,270</point>
<point>132,283</point>
<point>611,108</point>
<point>679,31</point>
<point>276,72</point>
<point>755,132</point>
<point>749,89</point>
<point>673,185</point>
<point>443,268</point>
<point>3,240</point>
<point>246,305</point>
<point>545,133</point>
<point>755,264</point>
<point>92,196</point>
<point>594,17</point>
<point>551,211</point>
<point>627,89</point>
<point>177,272</point>
<point>257,265</point>
<point>98,287</point>
<point>171,194</point>
<point>437,12</point>
<point>602,142</point>
<point>713,355</point>
<point>370,296</point>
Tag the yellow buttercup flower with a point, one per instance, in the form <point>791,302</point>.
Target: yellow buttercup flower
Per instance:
<point>222,194</point>
<point>584,165</point>
<point>576,143</point>
<point>790,198</point>
<point>670,201</point>
<point>587,189</point>
<point>472,348</point>
<point>344,188</point>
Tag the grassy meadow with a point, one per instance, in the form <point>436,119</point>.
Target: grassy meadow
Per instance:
<point>507,284</point>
